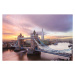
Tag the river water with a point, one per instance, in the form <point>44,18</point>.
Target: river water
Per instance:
<point>10,55</point>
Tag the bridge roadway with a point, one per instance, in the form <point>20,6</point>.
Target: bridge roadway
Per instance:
<point>60,54</point>
<point>47,49</point>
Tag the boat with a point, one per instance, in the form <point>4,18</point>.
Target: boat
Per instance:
<point>23,51</point>
<point>55,43</point>
<point>70,45</point>
<point>17,49</point>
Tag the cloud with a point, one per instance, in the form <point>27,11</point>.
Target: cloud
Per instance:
<point>62,23</point>
<point>7,21</point>
<point>40,33</point>
<point>8,33</point>
<point>17,24</point>
<point>62,36</point>
<point>26,23</point>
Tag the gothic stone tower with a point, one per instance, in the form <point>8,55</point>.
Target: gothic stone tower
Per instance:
<point>20,41</point>
<point>34,35</point>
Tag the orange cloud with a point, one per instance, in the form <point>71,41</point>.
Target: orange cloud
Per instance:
<point>11,32</point>
<point>58,37</point>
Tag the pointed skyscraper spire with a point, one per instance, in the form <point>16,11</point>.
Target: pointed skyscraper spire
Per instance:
<point>42,36</point>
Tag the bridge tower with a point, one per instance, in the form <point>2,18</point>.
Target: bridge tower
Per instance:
<point>20,41</point>
<point>34,46</point>
<point>34,35</point>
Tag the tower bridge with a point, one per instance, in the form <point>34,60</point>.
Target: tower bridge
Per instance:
<point>38,46</point>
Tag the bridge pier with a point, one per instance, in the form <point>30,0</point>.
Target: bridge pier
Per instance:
<point>33,52</point>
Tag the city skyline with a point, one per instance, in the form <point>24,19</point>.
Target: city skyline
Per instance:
<point>55,26</point>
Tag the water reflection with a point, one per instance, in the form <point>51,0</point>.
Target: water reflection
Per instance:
<point>21,55</point>
<point>34,57</point>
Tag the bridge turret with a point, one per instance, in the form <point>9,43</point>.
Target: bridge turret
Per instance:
<point>20,41</point>
<point>34,35</point>
<point>34,32</point>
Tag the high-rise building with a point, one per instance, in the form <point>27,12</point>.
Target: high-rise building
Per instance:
<point>42,35</point>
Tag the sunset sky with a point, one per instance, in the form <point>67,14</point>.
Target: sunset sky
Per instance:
<point>54,26</point>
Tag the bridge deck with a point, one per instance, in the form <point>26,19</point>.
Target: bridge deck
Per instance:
<point>47,49</point>
<point>60,54</point>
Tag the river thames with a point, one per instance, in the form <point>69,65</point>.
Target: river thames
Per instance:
<point>10,55</point>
